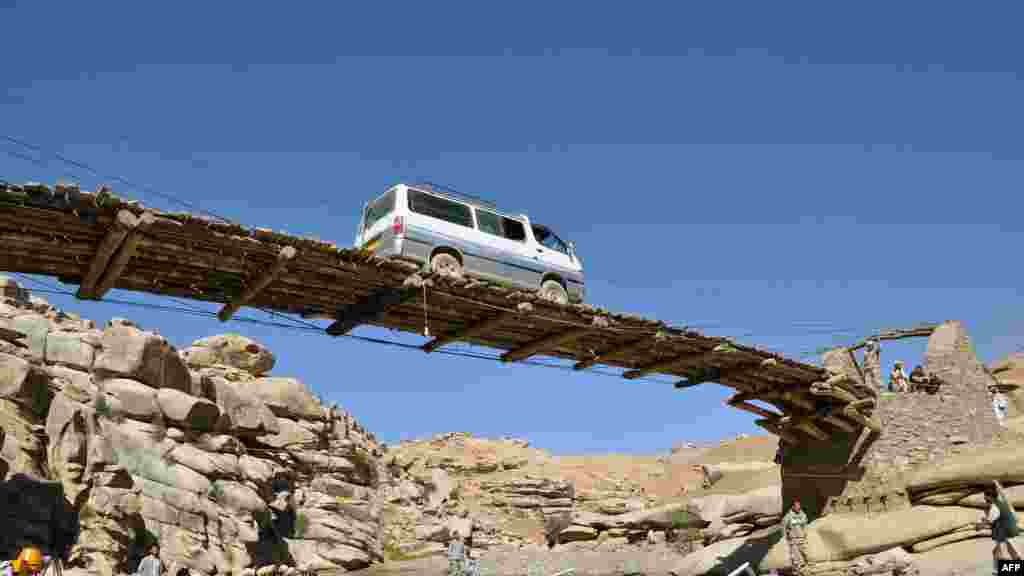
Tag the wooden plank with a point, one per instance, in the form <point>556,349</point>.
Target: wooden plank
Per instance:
<point>123,255</point>
<point>548,342</point>
<point>369,308</point>
<point>469,331</point>
<point>262,281</point>
<point>124,223</point>
<point>805,425</point>
<point>899,334</point>
<point>741,402</point>
<point>626,350</point>
<point>670,363</point>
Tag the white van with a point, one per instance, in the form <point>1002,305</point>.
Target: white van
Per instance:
<point>453,233</point>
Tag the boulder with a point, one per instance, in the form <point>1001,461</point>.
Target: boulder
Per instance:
<point>247,415</point>
<point>843,537</point>
<point>14,373</point>
<point>977,499</point>
<point>576,533</point>
<point>74,349</point>
<point>144,356</point>
<point>131,398</point>
<point>188,411</point>
<point>290,434</point>
<point>978,467</point>
<point>286,397</point>
<point>35,328</point>
<point>232,350</point>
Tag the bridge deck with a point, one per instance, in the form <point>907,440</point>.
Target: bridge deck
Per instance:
<point>100,242</point>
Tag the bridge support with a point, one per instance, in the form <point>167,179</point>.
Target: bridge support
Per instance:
<point>115,251</point>
<point>124,222</point>
<point>370,307</point>
<point>262,281</point>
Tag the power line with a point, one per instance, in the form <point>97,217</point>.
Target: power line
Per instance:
<point>88,168</point>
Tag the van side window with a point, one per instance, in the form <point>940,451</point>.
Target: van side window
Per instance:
<point>378,209</point>
<point>514,230</point>
<point>430,205</point>
<point>500,226</point>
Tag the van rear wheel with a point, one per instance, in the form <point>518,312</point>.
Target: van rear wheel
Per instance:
<point>444,264</point>
<point>552,290</point>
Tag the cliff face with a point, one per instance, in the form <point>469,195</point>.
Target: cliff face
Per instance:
<point>114,439</point>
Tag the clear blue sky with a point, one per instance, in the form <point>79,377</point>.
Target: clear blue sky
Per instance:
<point>793,178</point>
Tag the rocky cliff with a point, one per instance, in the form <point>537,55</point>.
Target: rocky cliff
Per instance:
<point>114,439</point>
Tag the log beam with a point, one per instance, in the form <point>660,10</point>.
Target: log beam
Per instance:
<point>124,222</point>
<point>626,350</point>
<point>262,281</point>
<point>670,363</point>
<point>896,335</point>
<point>124,254</point>
<point>744,404</point>
<point>370,307</point>
<point>548,342</point>
<point>470,331</point>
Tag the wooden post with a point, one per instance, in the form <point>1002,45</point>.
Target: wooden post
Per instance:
<point>548,342</point>
<point>123,223</point>
<point>470,331</point>
<point>670,363</point>
<point>124,255</point>
<point>262,281</point>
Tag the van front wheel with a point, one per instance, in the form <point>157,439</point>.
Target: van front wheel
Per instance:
<point>444,264</point>
<point>553,291</point>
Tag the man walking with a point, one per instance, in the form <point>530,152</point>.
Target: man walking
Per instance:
<point>1000,521</point>
<point>794,526</point>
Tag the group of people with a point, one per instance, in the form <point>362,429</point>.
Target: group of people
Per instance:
<point>1000,519</point>
<point>917,380</point>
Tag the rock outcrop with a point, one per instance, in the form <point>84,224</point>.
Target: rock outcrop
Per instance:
<point>114,439</point>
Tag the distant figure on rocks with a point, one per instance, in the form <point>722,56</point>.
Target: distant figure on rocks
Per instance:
<point>456,555</point>
<point>999,520</point>
<point>898,378</point>
<point>794,526</point>
<point>999,404</point>
<point>872,364</point>
<point>150,565</point>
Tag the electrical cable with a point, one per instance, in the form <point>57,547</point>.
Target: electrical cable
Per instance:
<point>311,328</point>
<point>88,168</point>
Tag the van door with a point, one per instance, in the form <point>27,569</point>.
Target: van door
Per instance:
<point>509,249</point>
<point>552,250</point>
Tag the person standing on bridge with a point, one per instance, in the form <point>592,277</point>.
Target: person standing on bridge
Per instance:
<point>794,526</point>
<point>873,364</point>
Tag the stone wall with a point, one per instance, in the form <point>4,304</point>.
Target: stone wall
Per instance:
<point>918,429</point>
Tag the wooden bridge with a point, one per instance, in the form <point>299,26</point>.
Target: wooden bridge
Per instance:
<point>101,242</point>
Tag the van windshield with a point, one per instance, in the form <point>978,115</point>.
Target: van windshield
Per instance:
<point>548,239</point>
<point>378,209</point>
